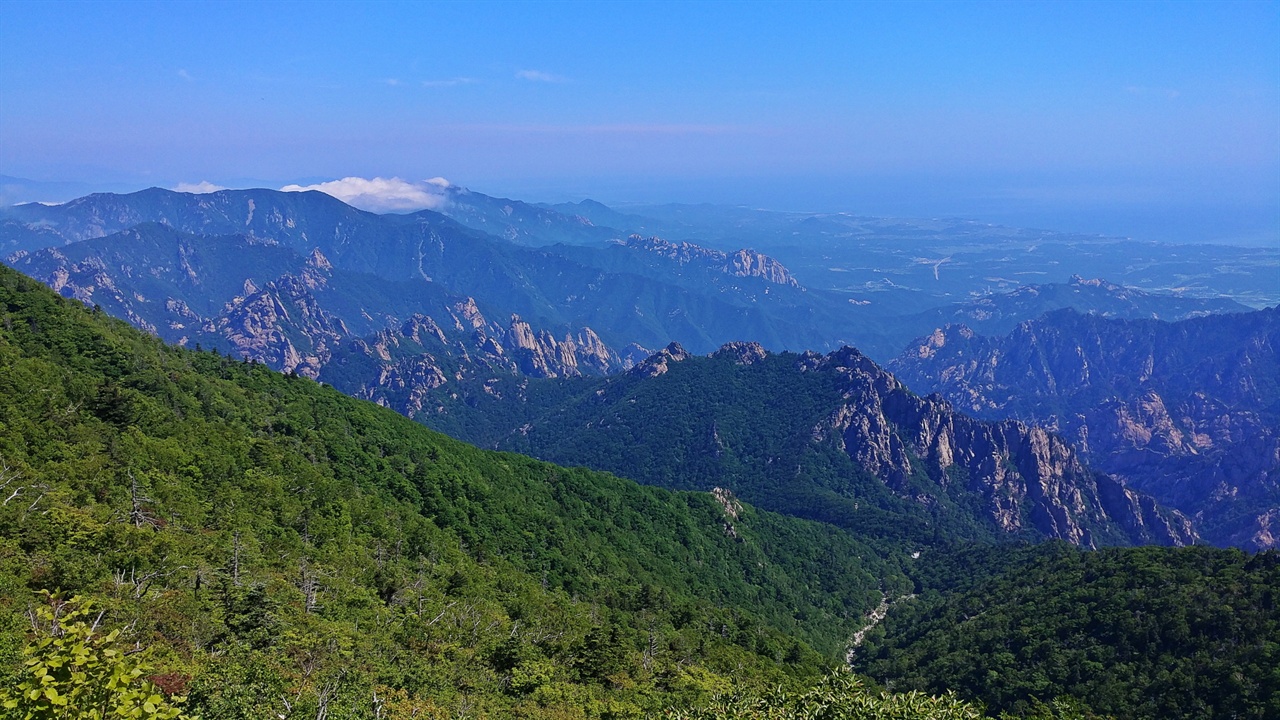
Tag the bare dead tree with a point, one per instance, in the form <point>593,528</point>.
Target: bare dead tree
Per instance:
<point>650,651</point>
<point>141,583</point>
<point>138,514</point>
<point>9,476</point>
<point>420,583</point>
<point>537,636</point>
<point>42,490</point>
<point>465,706</point>
<point>309,582</point>
<point>436,619</point>
<point>235,560</point>
<point>323,696</point>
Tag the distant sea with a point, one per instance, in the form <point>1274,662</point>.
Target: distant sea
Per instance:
<point>1221,224</point>
<point>1142,210</point>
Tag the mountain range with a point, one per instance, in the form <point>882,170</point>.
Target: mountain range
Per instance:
<point>624,291</point>
<point>258,541</point>
<point>833,438</point>
<point>801,505</point>
<point>286,278</point>
<point>433,318</point>
<point>272,538</point>
<point>1186,411</point>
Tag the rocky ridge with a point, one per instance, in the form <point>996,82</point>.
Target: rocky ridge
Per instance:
<point>1027,477</point>
<point>740,263</point>
<point>1188,411</point>
<point>293,311</point>
<point>401,367</point>
<point>578,280</point>
<point>658,363</point>
<point>770,427</point>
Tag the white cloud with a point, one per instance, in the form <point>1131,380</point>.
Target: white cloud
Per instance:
<point>539,76</point>
<point>200,188</point>
<point>383,195</point>
<point>451,82</point>
<point>182,73</point>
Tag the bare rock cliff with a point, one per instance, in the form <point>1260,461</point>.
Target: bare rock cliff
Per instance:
<point>740,263</point>
<point>1027,477</point>
<point>1187,411</point>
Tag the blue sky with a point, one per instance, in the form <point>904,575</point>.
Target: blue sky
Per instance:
<point>1053,112</point>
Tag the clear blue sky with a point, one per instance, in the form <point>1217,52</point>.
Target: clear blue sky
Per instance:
<point>982,109</point>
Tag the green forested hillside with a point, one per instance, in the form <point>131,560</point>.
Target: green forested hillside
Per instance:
<point>271,544</point>
<point>830,438</point>
<point>708,422</point>
<point>1135,633</point>
<point>271,548</point>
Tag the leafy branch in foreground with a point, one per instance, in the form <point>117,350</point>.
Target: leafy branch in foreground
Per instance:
<point>77,672</point>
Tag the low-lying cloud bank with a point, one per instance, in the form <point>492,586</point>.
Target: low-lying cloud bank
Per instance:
<point>383,195</point>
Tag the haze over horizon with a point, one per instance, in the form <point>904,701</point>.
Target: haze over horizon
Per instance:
<point>1154,120</point>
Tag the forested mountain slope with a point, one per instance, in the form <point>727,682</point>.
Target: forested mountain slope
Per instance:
<point>269,543</point>
<point>833,438</point>
<point>267,540</point>
<point>1140,633</point>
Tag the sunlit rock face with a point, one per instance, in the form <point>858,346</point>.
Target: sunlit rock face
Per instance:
<point>1026,476</point>
<point>1187,412</point>
<point>740,263</point>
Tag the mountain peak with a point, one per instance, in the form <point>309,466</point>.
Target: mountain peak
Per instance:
<point>656,364</point>
<point>742,353</point>
<point>318,261</point>
<point>675,351</point>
